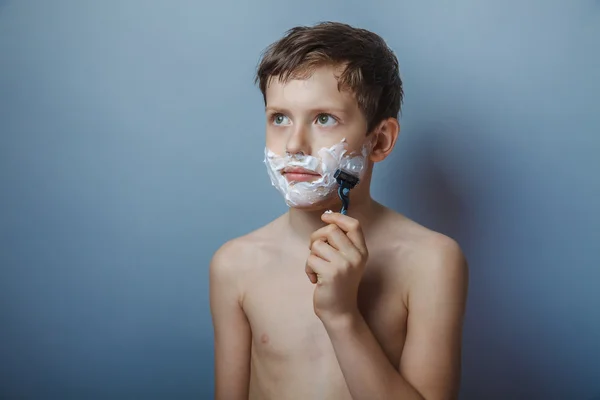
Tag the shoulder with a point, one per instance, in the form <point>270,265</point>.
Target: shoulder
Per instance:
<point>438,268</point>
<point>430,260</point>
<point>421,244</point>
<point>440,256</point>
<point>242,254</point>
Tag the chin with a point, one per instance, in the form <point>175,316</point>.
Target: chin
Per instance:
<point>311,207</point>
<point>330,203</point>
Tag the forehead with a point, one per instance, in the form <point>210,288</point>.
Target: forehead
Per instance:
<point>319,88</point>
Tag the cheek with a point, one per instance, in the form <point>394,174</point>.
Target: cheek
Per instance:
<point>355,142</point>
<point>319,144</point>
<point>275,141</point>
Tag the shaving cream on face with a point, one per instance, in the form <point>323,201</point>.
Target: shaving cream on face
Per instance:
<point>328,160</point>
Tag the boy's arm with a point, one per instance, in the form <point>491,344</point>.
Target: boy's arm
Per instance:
<point>430,362</point>
<point>232,335</point>
<point>431,359</point>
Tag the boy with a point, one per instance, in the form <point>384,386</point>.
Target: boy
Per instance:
<point>318,304</point>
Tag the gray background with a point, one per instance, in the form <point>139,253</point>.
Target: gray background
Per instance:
<point>131,140</point>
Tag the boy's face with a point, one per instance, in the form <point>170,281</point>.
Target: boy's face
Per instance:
<point>313,128</point>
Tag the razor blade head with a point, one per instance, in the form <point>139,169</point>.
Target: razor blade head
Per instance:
<point>343,178</point>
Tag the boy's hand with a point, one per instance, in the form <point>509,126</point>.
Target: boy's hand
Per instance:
<point>338,254</point>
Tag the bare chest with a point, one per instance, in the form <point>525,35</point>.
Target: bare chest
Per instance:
<point>284,326</point>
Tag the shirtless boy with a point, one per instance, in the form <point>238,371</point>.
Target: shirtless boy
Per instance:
<point>321,305</point>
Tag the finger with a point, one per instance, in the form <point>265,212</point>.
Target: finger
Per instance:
<point>315,268</point>
<point>350,226</point>
<point>337,241</point>
<point>325,251</point>
<point>333,235</point>
<point>312,275</point>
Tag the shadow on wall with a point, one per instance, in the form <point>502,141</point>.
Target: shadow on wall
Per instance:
<point>432,198</point>
<point>435,172</point>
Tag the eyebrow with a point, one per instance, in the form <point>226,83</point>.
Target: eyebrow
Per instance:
<point>322,109</point>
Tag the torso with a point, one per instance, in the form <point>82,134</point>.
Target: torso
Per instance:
<point>292,356</point>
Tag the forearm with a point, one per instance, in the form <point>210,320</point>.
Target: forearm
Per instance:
<point>368,372</point>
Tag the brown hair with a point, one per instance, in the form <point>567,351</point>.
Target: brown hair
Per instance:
<point>371,69</point>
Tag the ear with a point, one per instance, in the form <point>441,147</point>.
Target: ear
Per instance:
<point>386,134</point>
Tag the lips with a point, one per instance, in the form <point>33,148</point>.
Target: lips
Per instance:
<point>298,170</point>
<point>297,174</point>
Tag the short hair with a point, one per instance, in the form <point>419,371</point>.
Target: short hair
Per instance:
<point>371,70</point>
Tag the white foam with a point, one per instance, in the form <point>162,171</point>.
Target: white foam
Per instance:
<point>328,160</point>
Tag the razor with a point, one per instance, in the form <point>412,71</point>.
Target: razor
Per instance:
<point>347,182</point>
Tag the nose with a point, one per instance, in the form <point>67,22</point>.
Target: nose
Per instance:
<point>298,141</point>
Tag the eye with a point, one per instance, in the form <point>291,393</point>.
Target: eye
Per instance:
<point>280,119</point>
<point>326,120</point>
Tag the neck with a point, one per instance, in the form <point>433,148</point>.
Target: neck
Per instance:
<point>304,222</point>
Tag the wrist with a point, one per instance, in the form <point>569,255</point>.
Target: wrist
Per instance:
<point>342,321</point>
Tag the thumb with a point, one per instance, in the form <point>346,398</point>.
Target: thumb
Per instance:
<point>312,275</point>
